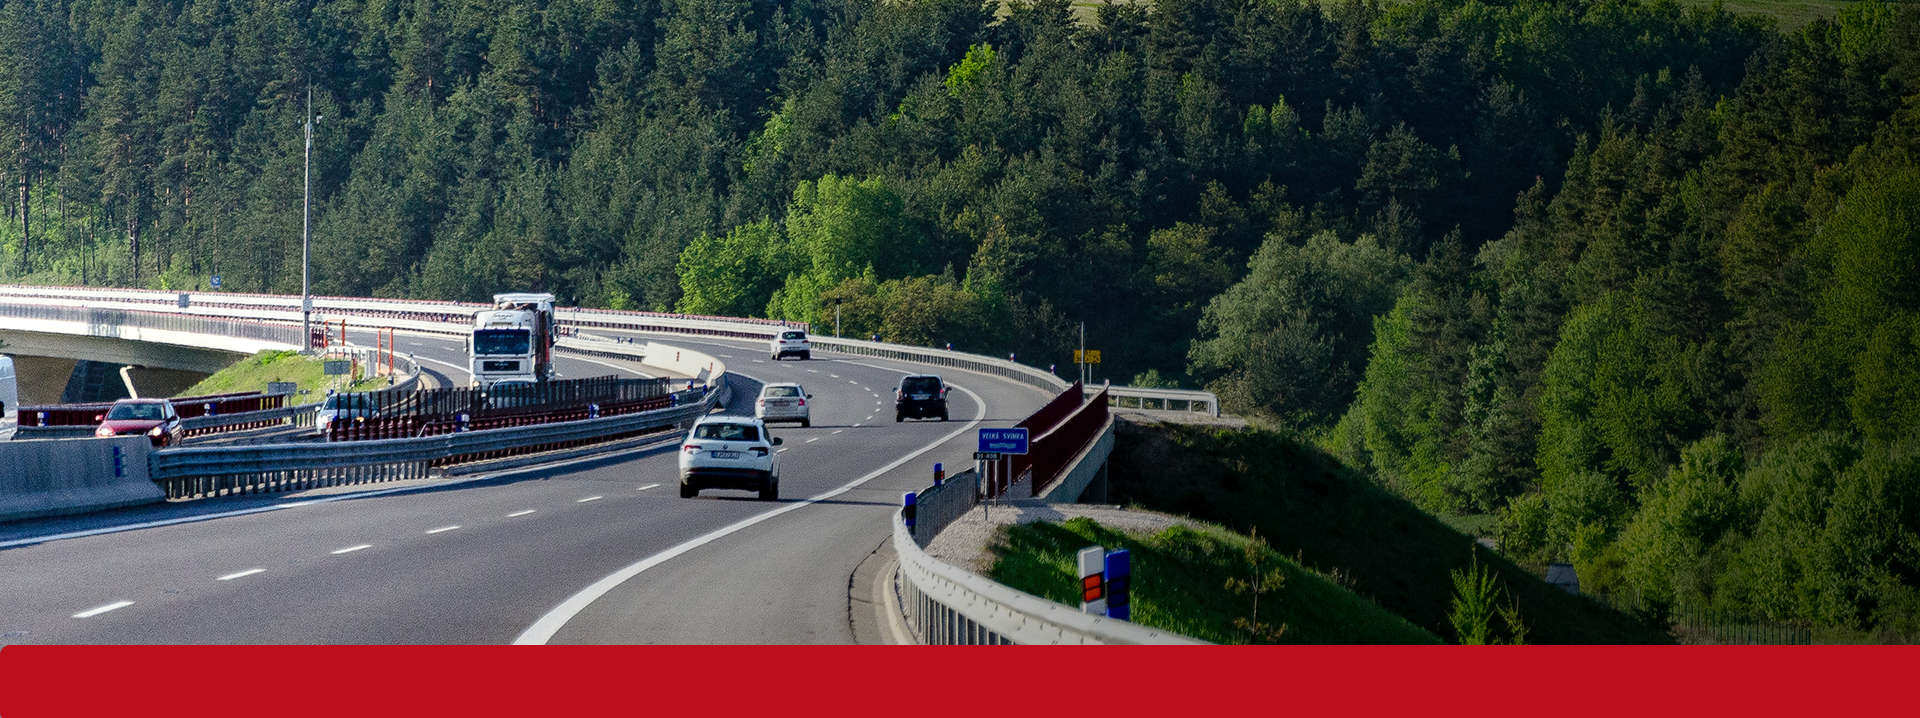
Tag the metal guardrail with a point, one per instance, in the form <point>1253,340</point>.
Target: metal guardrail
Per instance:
<point>210,471</point>
<point>207,424</point>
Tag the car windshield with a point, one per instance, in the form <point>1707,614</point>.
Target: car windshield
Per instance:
<point>920,385</point>
<point>349,402</point>
<point>793,335</point>
<point>727,432</point>
<point>782,391</point>
<point>136,412</point>
<point>496,342</point>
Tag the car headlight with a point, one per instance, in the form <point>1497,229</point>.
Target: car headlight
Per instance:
<point>103,431</point>
<point>155,431</point>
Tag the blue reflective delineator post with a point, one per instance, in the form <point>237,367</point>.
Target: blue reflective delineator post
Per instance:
<point>210,409</point>
<point>593,411</point>
<point>119,463</point>
<point>939,474</point>
<point>1120,585</point>
<point>461,425</point>
<point>907,507</point>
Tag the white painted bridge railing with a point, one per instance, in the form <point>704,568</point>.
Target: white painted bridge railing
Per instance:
<point>455,318</point>
<point>944,604</point>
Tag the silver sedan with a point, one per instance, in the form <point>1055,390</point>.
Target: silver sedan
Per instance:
<point>785,401</point>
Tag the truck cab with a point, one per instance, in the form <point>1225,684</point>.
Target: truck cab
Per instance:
<point>513,340</point>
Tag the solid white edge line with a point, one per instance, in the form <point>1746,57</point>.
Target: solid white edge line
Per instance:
<point>240,574</point>
<point>464,370</point>
<point>350,549</point>
<point>91,612</point>
<point>443,529</point>
<point>544,629</point>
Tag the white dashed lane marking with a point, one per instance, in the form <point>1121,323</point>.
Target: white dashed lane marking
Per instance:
<point>517,514</point>
<point>241,574</point>
<point>91,612</point>
<point>836,431</point>
<point>814,439</point>
<point>589,498</point>
<point>350,549</point>
<point>442,529</point>
<point>648,486</point>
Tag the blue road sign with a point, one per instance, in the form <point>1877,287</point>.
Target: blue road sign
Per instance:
<point>216,281</point>
<point>1004,441</point>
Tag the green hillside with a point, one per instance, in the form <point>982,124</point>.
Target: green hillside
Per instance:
<point>1180,580</point>
<point>1340,524</point>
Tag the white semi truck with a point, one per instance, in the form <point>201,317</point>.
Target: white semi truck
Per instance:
<point>513,341</point>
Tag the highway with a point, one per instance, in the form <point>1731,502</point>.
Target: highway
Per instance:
<point>600,550</point>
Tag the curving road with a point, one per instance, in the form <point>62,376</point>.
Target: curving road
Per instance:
<point>599,550</point>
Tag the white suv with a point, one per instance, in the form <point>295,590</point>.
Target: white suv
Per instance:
<point>791,341</point>
<point>730,452</point>
<point>784,401</point>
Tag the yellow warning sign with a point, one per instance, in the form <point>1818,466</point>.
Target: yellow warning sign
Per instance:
<point>1086,356</point>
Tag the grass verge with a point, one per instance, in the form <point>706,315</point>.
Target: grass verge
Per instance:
<point>253,373</point>
<point>1180,580</point>
<point>1331,519</point>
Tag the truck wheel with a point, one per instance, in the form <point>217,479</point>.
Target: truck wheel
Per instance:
<point>687,491</point>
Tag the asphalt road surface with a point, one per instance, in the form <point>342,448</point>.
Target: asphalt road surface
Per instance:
<point>601,550</point>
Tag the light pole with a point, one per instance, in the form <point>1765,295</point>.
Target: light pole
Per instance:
<point>306,229</point>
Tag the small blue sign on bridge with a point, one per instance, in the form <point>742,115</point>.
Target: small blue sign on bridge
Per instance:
<point>1004,441</point>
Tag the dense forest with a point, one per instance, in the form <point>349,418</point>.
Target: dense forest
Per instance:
<point>1638,278</point>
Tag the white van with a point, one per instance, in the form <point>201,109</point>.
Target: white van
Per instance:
<point>9,399</point>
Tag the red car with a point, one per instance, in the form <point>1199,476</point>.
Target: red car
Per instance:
<point>153,417</point>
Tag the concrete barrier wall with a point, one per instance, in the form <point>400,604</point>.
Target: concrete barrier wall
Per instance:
<point>66,476</point>
<point>1089,465</point>
<point>685,362</point>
